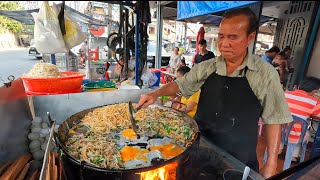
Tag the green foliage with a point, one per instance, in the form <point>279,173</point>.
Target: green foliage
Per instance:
<point>7,23</point>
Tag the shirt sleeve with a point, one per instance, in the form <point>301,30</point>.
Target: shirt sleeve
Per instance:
<point>192,81</point>
<point>275,107</point>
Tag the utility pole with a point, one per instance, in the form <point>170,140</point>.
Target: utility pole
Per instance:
<point>109,28</point>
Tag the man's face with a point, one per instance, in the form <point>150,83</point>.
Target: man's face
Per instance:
<point>287,53</point>
<point>179,74</point>
<point>233,39</point>
<point>176,50</point>
<point>273,55</point>
<point>278,58</point>
<point>202,47</point>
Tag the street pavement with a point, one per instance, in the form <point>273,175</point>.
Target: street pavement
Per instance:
<point>15,61</point>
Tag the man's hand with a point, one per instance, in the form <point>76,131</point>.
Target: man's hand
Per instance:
<point>268,170</point>
<point>169,89</point>
<point>146,100</point>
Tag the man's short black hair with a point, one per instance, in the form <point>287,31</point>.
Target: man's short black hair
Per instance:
<point>183,69</point>
<point>274,49</point>
<point>253,20</point>
<point>202,42</point>
<point>308,85</point>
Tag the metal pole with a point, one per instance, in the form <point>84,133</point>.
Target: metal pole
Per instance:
<point>256,37</point>
<point>137,47</point>
<point>159,35</point>
<point>53,59</point>
<point>126,55</point>
<point>109,28</point>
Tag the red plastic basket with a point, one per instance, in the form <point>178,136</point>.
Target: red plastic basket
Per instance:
<point>72,82</point>
<point>29,93</point>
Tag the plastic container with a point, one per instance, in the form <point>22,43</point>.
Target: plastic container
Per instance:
<point>71,83</point>
<point>30,93</point>
<point>99,85</point>
<point>157,72</point>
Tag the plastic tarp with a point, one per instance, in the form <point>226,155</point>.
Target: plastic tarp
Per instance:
<point>190,9</point>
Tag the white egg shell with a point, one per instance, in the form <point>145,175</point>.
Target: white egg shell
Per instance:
<point>33,136</point>
<point>34,150</point>
<point>41,139</point>
<point>37,125</point>
<point>45,131</point>
<point>44,125</point>
<point>34,144</point>
<point>42,135</point>
<point>37,130</point>
<point>37,120</point>
<point>38,155</point>
<point>44,145</point>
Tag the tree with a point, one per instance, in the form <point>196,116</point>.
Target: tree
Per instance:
<point>7,23</point>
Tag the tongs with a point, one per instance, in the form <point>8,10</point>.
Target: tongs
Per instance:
<point>133,121</point>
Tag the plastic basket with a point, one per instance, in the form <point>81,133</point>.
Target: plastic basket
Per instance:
<point>72,82</point>
<point>99,85</point>
<point>29,93</point>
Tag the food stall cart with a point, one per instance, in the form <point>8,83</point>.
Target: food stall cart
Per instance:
<point>18,110</point>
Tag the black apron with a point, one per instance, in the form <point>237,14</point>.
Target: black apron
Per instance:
<point>228,114</point>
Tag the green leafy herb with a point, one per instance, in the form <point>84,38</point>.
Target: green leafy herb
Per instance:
<point>98,160</point>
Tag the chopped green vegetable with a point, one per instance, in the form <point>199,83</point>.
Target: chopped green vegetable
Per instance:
<point>98,160</point>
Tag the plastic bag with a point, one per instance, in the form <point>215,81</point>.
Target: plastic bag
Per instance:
<point>47,32</point>
<point>149,78</point>
<point>74,36</point>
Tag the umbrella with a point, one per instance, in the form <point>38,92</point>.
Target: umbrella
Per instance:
<point>200,36</point>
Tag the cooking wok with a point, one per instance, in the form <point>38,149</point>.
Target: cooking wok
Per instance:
<point>83,170</point>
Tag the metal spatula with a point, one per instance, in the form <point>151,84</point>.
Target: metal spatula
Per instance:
<point>133,121</point>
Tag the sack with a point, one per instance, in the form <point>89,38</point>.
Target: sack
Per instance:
<point>47,32</point>
<point>74,36</point>
<point>149,78</point>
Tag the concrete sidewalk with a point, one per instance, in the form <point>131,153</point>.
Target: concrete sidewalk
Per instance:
<point>13,48</point>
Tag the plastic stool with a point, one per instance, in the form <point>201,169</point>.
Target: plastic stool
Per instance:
<point>285,131</point>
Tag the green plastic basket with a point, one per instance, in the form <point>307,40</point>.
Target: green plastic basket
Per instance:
<point>98,85</point>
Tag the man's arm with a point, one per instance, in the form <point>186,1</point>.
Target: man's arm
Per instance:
<point>273,134</point>
<point>169,89</point>
<point>187,85</point>
<point>275,113</point>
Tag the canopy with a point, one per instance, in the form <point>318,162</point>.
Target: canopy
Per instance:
<point>190,9</point>
<point>210,12</point>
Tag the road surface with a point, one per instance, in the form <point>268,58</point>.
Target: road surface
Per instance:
<point>15,62</point>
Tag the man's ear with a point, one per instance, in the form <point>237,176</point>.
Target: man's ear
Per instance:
<point>251,37</point>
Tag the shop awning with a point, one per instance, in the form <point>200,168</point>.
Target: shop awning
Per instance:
<point>191,9</point>
<point>210,12</point>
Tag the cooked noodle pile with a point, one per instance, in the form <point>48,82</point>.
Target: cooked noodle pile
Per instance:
<point>44,70</point>
<point>93,140</point>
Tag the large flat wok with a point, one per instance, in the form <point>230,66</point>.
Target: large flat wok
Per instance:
<point>83,170</point>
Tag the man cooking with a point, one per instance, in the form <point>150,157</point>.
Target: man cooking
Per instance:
<point>236,89</point>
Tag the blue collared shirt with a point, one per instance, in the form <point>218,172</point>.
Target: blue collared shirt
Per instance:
<point>266,58</point>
